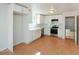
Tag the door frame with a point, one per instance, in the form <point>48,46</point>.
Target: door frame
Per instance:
<point>76,27</point>
<point>76,37</point>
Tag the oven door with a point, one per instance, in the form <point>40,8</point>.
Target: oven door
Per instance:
<point>54,31</point>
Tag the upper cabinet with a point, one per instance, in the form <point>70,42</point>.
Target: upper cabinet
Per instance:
<point>47,20</point>
<point>42,17</point>
<point>39,19</point>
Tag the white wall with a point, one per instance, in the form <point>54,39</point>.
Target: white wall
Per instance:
<point>6,27</point>
<point>10,27</point>
<point>3,27</point>
<point>29,36</point>
<point>54,23</point>
<point>42,19</point>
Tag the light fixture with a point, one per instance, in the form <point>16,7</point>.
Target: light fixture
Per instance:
<point>51,9</point>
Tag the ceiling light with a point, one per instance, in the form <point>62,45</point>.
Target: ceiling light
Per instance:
<point>51,9</point>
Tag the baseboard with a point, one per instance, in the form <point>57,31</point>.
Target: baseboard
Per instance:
<point>17,43</point>
<point>21,43</point>
<point>6,49</point>
<point>11,49</point>
<point>35,39</point>
<point>55,36</point>
<point>32,40</point>
<point>3,49</point>
<point>27,42</point>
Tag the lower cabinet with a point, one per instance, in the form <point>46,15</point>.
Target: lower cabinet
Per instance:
<point>36,34</point>
<point>47,31</point>
<point>33,35</point>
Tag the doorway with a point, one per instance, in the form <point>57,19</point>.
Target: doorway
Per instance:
<point>17,28</point>
<point>70,27</point>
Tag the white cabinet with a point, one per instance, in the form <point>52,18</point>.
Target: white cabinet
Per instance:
<point>36,34</point>
<point>42,19</point>
<point>47,20</point>
<point>38,18</point>
<point>46,31</point>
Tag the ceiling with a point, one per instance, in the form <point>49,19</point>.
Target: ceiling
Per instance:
<point>27,5</point>
<point>59,8</point>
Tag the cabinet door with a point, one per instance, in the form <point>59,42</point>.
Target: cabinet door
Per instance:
<point>41,19</point>
<point>47,31</point>
<point>47,20</point>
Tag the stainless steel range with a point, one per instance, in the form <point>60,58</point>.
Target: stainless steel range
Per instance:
<point>54,28</point>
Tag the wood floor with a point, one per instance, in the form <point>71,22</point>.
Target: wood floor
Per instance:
<point>48,46</point>
<point>45,46</point>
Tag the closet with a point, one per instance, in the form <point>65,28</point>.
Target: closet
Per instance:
<point>17,28</point>
<point>19,13</point>
<point>70,27</point>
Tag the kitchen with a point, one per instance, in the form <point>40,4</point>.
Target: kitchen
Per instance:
<point>54,22</point>
<point>36,20</point>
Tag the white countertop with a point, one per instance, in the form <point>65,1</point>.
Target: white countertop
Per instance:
<point>35,27</point>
